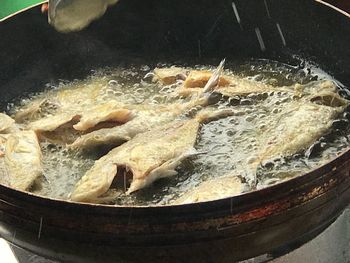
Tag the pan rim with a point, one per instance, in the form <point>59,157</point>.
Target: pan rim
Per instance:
<point>293,183</point>
<point>297,181</point>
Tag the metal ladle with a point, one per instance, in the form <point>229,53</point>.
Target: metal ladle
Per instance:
<point>64,15</point>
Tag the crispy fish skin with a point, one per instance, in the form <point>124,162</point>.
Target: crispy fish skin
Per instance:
<point>227,85</point>
<point>56,129</point>
<point>324,92</point>
<point>164,154</point>
<point>76,98</point>
<point>304,121</point>
<point>145,118</point>
<point>149,156</point>
<point>299,126</point>
<point>169,76</point>
<point>51,123</point>
<point>199,78</point>
<point>131,120</point>
<point>23,159</point>
<point>5,122</point>
<point>109,111</point>
<point>142,121</point>
<point>298,129</point>
<point>29,111</point>
<point>67,99</point>
<point>213,189</point>
<point>81,120</point>
<point>34,110</point>
<point>314,88</point>
<point>141,155</point>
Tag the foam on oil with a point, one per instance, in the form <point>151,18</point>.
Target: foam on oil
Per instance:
<point>227,143</point>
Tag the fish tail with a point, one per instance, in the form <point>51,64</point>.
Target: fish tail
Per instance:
<point>204,97</point>
<point>214,79</point>
<point>252,174</point>
<point>167,169</point>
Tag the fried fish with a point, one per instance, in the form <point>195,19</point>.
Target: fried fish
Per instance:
<point>145,117</point>
<point>195,81</point>
<point>149,156</point>
<point>106,112</point>
<point>23,159</point>
<point>5,122</point>
<point>110,112</point>
<point>300,124</point>
<point>170,75</point>
<point>213,189</point>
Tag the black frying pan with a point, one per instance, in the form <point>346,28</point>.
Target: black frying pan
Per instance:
<point>192,31</point>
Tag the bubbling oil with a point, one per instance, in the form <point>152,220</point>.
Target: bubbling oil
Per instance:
<point>227,143</point>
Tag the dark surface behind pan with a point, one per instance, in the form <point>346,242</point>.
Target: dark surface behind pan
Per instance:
<point>145,32</point>
<point>32,53</point>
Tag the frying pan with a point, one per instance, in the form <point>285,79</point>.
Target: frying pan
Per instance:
<point>195,31</point>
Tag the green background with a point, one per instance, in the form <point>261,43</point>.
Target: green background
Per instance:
<point>9,7</point>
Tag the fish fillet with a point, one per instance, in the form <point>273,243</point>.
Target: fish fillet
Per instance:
<point>23,159</point>
<point>142,121</point>
<point>228,85</point>
<point>35,109</point>
<point>148,156</point>
<point>109,111</point>
<point>52,123</point>
<point>303,121</point>
<point>297,129</point>
<point>64,100</point>
<point>169,76</point>
<point>300,124</point>
<point>145,117</point>
<point>81,120</point>
<point>212,189</point>
<point>5,122</point>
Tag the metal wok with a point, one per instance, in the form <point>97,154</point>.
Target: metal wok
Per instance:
<point>283,215</point>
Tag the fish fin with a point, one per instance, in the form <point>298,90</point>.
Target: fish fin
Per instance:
<point>137,185</point>
<point>214,79</point>
<point>202,97</point>
<point>167,169</point>
<point>208,115</point>
<point>251,174</point>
